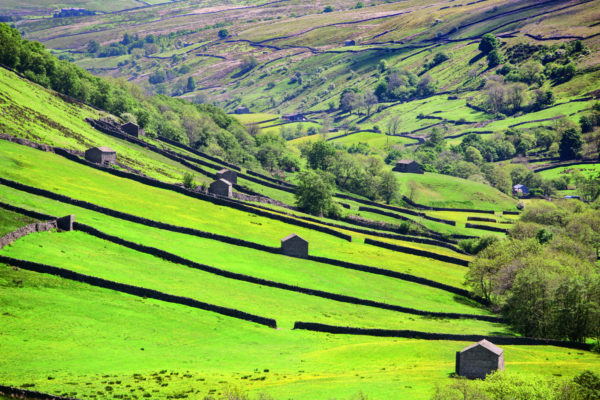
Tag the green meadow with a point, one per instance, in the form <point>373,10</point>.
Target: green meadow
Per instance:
<point>72,339</point>
<point>446,191</point>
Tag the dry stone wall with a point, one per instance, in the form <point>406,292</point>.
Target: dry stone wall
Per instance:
<point>500,340</point>
<point>26,230</point>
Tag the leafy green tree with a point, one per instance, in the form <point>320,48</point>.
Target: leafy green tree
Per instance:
<point>318,154</point>
<point>388,186</point>
<point>248,63</point>
<point>191,84</point>
<point>570,144</point>
<point>360,4</point>
<point>314,193</point>
<point>93,47</point>
<point>10,45</point>
<point>223,33</point>
<point>328,9</point>
<point>488,43</point>
<point>494,58</point>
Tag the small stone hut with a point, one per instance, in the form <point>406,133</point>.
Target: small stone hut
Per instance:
<point>293,245</point>
<point>101,155</point>
<point>242,110</point>
<point>228,175</point>
<point>294,117</point>
<point>220,187</point>
<point>479,359</point>
<point>350,43</point>
<point>408,166</point>
<point>132,129</point>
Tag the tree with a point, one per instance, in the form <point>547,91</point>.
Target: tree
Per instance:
<point>318,154</point>
<point>488,43</point>
<point>570,144</point>
<point>328,9</point>
<point>314,193</point>
<point>93,47</point>
<point>223,33</point>
<point>494,58</point>
<point>191,84</point>
<point>347,101</point>
<point>516,95</point>
<point>370,101</point>
<point>388,187</point>
<point>360,4</point>
<point>393,125</point>
<point>248,63</point>
<point>496,96</point>
<point>473,155</point>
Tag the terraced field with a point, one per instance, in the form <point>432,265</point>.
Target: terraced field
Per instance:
<point>117,345</point>
<point>161,292</point>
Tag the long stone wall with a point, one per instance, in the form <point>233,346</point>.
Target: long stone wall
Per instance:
<point>26,230</point>
<point>136,290</point>
<point>278,285</point>
<point>501,340</point>
<point>417,252</point>
<point>486,228</point>
<point>29,394</point>
<point>273,250</point>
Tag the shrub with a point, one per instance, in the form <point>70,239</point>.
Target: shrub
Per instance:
<point>188,181</point>
<point>328,9</point>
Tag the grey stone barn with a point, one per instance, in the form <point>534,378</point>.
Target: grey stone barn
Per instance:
<point>294,117</point>
<point>408,166</point>
<point>350,43</point>
<point>293,245</point>
<point>132,129</point>
<point>242,110</point>
<point>220,187</point>
<point>228,175</point>
<point>479,359</point>
<point>101,155</point>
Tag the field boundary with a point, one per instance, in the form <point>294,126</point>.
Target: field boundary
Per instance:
<point>136,290</point>
<point>173,258</point>
<point>417,252</point>
<point>323,260</point>
<point>502,340</point>
<point>18,393</point>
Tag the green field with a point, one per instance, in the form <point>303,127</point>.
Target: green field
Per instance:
<point>100,339</point>
<point>373,140</point>
<point>77,340</point>
<point>587,170</point>
<point>446,191</point>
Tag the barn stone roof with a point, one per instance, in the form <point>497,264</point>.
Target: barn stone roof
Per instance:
<point>292,236</point>
<point>405,161</point>
<point>105,149</point>
<point>486,345</point>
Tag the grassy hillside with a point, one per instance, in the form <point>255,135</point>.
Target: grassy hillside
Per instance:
<point>80,340</point>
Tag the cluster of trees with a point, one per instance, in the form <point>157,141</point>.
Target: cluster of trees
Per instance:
<point>203,126</point>
<point>506,385</point>
<point>356,173</point>
<point>150,45</point>
<point>472,158</point>
<point>401,85</point>
<point>543,277</point>
<point>353,100</point>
